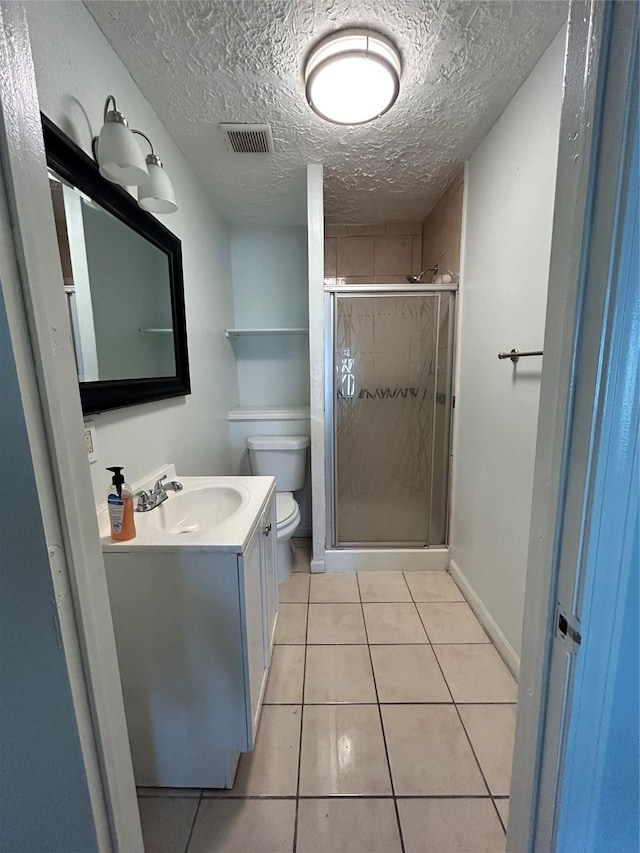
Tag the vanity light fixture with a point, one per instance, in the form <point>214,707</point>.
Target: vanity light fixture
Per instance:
<point>117,153</point>
<point>156,193</point>
<point>352,76</point>
<point>121,161</point>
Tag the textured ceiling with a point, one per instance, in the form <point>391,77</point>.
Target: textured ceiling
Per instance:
<point>203,63</point>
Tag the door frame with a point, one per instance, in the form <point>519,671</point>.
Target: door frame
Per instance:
<point>41,337</point>
<point>44,354</point>
<point>577,346</point>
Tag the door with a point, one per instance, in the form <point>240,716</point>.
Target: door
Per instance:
<point>392,401</point>
<point>575,773</point>
<point>252,609</point>
<point>268,526</point>
<point>599,795</point>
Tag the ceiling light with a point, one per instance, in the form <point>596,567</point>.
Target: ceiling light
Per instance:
<point>352,77</point>
<point>118,154</point>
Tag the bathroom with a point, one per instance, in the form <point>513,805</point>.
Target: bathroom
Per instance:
<point>255,258</point>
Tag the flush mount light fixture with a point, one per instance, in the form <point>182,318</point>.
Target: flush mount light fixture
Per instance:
<point>120,161</point>
<point>352,77</point>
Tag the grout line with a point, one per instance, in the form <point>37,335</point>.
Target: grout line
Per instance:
<point>463,727</point>
<point>388,643</point>
<point>455,705</point>
<point>193,823</point>
<point>424,627</point>
<point>161,796</point>
<point>344,704</point>
<point>437,662</point>
<point>382,702</point>
<point>460,715</point>
<point>434,600</point>
<point>378,601</point>
<point>445,702</point>
<point>484,778</point>
<point>504,826</point>
<point>304,684</point>
<point>384,736</point>
<point>220,798</point>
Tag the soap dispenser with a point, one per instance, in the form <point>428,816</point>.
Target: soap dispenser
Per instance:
<point>120,505</point>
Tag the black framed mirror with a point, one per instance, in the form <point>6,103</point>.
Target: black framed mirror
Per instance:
<point>122,273</point>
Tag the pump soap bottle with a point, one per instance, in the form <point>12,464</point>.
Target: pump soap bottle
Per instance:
<point>120,505</point>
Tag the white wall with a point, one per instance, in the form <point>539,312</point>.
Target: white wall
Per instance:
<point>76,69</point>
<point>509,198</point>
<point>269,271</point>
<point>270,277</point>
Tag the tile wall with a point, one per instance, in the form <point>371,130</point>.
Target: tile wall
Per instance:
<point>381,253</point>
<point>441,230</point>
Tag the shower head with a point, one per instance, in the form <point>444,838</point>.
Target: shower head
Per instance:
<point>417,279</point>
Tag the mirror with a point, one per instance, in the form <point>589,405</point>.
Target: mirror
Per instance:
<point>122,273</point>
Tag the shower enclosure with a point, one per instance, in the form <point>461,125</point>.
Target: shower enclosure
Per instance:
<point>390,408</point>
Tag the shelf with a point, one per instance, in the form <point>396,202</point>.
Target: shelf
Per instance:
<point>156,331</point>
<point>270,413</point>
<point>237,333</point>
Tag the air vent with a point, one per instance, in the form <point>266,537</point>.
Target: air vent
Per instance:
<point>248,138</point>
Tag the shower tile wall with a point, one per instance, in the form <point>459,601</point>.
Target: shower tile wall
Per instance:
<point>442,228</point>
<point>381,253</point>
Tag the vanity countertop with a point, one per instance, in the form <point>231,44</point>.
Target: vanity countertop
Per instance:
<point>209,513</point>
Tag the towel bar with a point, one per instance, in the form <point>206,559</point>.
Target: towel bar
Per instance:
<point>515,355</point>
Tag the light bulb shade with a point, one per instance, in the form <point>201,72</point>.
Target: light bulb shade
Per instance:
<point>352,77</point>
<point>156,194</point>
<point>120,159</point>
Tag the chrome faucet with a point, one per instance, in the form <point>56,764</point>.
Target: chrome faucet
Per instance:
<point>150,500</point>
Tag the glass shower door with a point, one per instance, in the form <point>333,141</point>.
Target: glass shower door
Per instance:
<point>389,436</point>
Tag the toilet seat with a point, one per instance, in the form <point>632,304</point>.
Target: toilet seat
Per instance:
<point>286,507</point>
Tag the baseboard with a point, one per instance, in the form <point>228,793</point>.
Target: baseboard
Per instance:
<point>501,643</point>
<point>317,566</point>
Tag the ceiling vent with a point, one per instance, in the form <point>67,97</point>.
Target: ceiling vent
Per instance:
<point>248,138</point>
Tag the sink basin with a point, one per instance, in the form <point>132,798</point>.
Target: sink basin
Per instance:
<point>210,513</point>
<point>194,510</point>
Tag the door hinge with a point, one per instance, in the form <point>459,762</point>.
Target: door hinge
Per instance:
<point>568,629</point>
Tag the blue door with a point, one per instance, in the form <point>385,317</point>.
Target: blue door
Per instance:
<point>599,804</point>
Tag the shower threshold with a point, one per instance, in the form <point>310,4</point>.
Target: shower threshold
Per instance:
<point>386,559</point>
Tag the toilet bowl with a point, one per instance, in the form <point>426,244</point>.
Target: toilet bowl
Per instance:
<point>288,519</point>
<point>283,457</point>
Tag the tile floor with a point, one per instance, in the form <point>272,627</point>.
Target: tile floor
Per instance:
<point>387,728</point>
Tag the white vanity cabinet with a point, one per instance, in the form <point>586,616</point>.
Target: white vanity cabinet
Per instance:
<point>259,589</point>
<point>194,631</point>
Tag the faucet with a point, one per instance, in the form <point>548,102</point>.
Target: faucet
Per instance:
<point>150,500</point>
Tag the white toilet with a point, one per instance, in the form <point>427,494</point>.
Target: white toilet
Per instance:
<point>285,458</point>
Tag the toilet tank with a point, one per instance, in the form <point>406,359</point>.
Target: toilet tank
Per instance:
<point>281,456</point>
